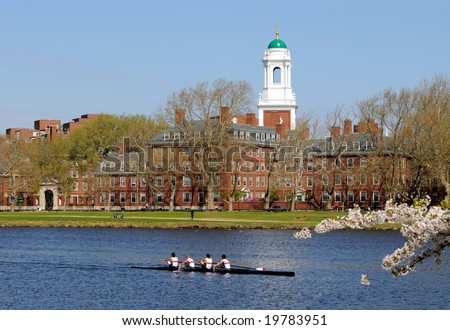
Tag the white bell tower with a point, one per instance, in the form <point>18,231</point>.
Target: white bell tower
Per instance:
<point>276,104</point>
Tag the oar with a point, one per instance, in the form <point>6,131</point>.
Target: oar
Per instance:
<point>247,268</point>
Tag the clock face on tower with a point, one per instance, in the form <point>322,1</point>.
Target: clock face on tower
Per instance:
<point>234,120</point>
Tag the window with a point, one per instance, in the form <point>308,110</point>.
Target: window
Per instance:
<point>309,181</point>
<point>238,183</point>
<point>362,196</point>
<point>337,179</point>
<point>257,136</point>
<point>201,197</point>
<point>160,198</point>
<point>241,135</point>
<point>102,181</point>
<point>102,198</point>
<point>159,181</point>
<point>216,197</point>
<point>276,76</point>
<point>337,162</point>
<point>263,137</point>
<point>344,146</point>
<point>356,145</point>
<point>176,136</point>
<point>362,178</point>
<point>350,196</point>
<point>375,179</point>
<point>325,196</point>
<point>244,180</point>
<point>263,182</point>
<point>200,180</point>
<point>250,181</point>
<point>166,136</point>
<point>363,162</point>
<point>187,197</point>
<point>112,198</point>
<point>337,196</point>
<point>123,181</point>
<point>247,135</point>
<point>143,198</point>
<point>143,183</point>
<point>133,181</point>
<point>236,133</point>
<point>75,186</point>
<point>350,162</point>
<point>187,181</point>
<point>85,186</point>
<point>309,166</point>
<point>257,181</point>
<point>187,165</point>
<point>376,196</point>
<point>324,163</point>
<point>133,197</point>
<point>123,197</point>
<point>287,182</point>
<point>217,180</point>
<point>350,179</point>
<point>74,174</point>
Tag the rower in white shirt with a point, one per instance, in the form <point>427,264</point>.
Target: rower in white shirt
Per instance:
<point>224,263</point>
<point>207,262</point>
<point>188,262</point>
<point>172,261</point>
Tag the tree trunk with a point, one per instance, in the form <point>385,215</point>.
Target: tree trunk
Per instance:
<point>210,188</point>
<point>171,198</point>
<point>230,203</point>
<point>293,199</point>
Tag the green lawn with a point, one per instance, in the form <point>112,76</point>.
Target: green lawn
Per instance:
<point>236,219</point>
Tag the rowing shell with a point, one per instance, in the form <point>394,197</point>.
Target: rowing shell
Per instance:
<point>250,271</point>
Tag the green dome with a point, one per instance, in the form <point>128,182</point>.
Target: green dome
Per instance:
<point>277,43</point>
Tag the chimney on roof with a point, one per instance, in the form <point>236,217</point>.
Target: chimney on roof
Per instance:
<point>179,116</point>
<point>374,128</point>
<point>225,115</point>
<point>250,119</point>
<point>335,131</point>
<point>347,127</point>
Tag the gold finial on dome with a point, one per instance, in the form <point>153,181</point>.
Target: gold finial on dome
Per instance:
<point>277,34</point>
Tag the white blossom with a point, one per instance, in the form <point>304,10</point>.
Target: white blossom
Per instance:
<point>420,224</point>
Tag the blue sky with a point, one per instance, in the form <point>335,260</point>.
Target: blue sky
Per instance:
<point>60,59</point>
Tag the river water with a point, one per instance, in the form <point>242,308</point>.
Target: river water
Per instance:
<point>67,268</point>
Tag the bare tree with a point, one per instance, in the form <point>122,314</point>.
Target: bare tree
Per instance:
<point>199,116</point>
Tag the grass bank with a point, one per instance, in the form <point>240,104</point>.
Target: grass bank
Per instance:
<point>222,220</point>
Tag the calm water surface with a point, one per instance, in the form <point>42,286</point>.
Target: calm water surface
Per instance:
<point>57,268</point>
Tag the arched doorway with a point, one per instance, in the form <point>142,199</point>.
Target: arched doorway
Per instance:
<point>48,200</point>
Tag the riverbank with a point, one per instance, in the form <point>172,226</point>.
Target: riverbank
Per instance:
<point>213,220</point>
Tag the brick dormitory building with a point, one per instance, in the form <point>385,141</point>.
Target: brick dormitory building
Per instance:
<point>259,161</point>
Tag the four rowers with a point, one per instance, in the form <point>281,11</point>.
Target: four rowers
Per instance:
<point>206,262</point>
